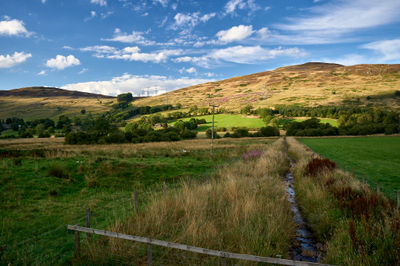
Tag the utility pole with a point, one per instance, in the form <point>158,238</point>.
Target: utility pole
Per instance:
<point>212,131</point>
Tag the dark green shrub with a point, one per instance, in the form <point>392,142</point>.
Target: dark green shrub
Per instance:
<point>58,170</point>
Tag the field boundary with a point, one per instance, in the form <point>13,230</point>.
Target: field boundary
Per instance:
<point>150,242</point>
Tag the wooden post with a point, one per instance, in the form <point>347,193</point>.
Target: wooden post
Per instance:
<point>378,187</point>
<point>149,254</point>
<point>77,244</point>
<point>165,188</point>
<point>87,222</point>
<point>398,199</point>
<point>136,201</point>
<point>212,131</point>
<point>223,261</point>
<point>207,177</point>
<point>188,181</point>
<point>363,180</point>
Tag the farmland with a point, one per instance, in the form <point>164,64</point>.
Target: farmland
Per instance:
<point>228,121</point>
<point>51,184</point>
<point>375,158</point>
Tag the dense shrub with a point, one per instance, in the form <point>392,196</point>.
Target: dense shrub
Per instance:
<point>269,131</point>
<point>316,165</point>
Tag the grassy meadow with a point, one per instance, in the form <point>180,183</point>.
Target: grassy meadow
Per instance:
<point>45,185</point>
<point>355,224</point>
<point>373,158</point>
<point>227,121</point>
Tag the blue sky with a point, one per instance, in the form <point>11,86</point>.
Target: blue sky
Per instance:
<point>149,47</point>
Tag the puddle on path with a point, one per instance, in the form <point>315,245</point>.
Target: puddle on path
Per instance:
<point>304,248</point>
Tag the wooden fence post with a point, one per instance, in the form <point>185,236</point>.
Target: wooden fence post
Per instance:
<point>77,244</point>
<point>188,181</point>
<point>136,201</point>
<point>223,261</point>
<point>378,187</point>
<point>207,177</point>
<point>165,188</point>
<point>87,222</point>
<point>149,254</point>
<point>398,199</point>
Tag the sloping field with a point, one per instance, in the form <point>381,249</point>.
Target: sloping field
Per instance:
<point>310,84</point>
<point>375,158</point>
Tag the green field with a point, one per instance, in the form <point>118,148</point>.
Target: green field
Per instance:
<point>375,158</point>
<point>45,185</point>
<point>331,121</point>
<point>227,121</point>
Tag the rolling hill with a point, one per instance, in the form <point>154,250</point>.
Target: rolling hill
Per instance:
<point>309,84</point>
<point>45,102</point>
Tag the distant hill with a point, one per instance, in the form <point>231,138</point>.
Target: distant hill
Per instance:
<point>45,102</point>
<point>309,84</point>
<point>50,92</point>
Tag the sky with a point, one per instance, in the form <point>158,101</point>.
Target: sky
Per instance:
<point>148,47</point>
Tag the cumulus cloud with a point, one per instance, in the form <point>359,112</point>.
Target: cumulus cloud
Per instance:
<point>131,53</point>
<point>236,33</point>
<point>61,62</point>
<point>190,70</point>
<point>8,61</point>
<point>137,85</point>
<point>13,27</point>
<point>233,5</point>
<point>43,1</point>
<point>190,20</point>
<point>42,73</point>
<point>389,49</point>
<point>134,37</point>
<point>99,2</point>
<point>241,55</point>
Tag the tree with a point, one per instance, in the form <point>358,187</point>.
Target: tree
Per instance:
<point>125,97</point>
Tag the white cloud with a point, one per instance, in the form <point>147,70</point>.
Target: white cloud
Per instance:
<point>7,61</point>
<point>236,33</point>
<point>190,70</point>
<point>347,60</point>
<point>137,85</point>
<point>13,27</point>
<point>190,20</point>
<point>207,17</point>
<point>164,3</point>
<point>42,73</point>
<point>43,1</point>
<point>134,37</point>
<point>99,2</point>
<point>61,62</point>
<point>390,49</point>
<point>84,70</point>
<point>131,53</point>
<point>241,55</point>
<point>233,5</point>
<point>331,22</point>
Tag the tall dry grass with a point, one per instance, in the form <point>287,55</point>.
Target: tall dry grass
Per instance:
<point>357,225</point>
<point>244,209</point>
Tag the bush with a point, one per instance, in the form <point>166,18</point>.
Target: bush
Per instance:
<point>57,170</point>
<point>269,131</point>
<point>240,133</point>
<point>316,165</point>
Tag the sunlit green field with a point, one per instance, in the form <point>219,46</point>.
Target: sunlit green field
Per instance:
<point>375,158</point>
<point>227,121</point>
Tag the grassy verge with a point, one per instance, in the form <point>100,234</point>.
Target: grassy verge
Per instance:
<point>373,158</point>
<point>357,225</point>
<point>243,209</point>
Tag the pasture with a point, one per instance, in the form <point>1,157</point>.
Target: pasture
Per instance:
<point>45,185</point>
<point>375,158</point>
<point>227,121</point>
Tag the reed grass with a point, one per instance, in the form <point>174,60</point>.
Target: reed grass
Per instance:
<point>243,209</point>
